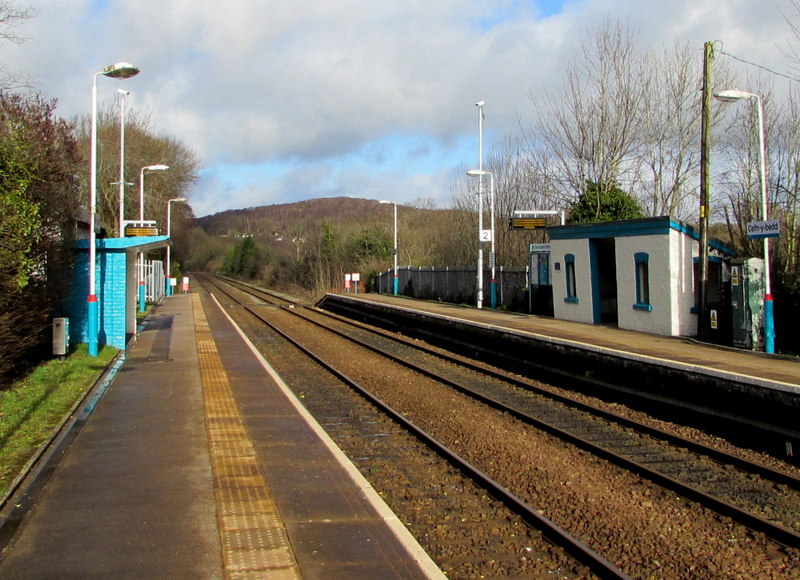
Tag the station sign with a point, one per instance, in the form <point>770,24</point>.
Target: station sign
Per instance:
<point>136,229</point>
<point>764,229</point>
<point>137,232</point>
<point>526,223</point>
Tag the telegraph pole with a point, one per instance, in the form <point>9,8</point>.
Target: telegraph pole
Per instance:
<point>705,131</point>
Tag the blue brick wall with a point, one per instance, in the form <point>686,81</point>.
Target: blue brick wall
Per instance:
<point>111,266</point>
<point>112,308</point>
<point>115,271</point>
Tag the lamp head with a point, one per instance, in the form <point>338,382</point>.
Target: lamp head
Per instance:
<point>731,95</point>
<point>120,70</point>
<point>155,168</point>
<point>478,172</point>
<point>178,199</point>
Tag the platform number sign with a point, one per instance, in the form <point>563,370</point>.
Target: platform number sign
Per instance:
<point>486,235</point>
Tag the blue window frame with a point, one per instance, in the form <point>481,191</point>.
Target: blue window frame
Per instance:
<point>569,272</point>
<point>642,265</point>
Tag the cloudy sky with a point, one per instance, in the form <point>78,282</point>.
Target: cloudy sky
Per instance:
<point>285,100</point>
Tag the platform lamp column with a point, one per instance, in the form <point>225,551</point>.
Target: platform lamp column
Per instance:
<point>168,272</point>
<point>480,105</point>
<point>493,283</point>
<point>122,183</point>
<point>120,70</point>
<point>737,95</point>
<point>140,260</point>
<point>395,281</point>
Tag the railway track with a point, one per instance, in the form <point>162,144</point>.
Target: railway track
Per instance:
<point>759,498</point>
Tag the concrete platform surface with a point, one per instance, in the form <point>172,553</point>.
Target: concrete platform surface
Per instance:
<point>198,463</point>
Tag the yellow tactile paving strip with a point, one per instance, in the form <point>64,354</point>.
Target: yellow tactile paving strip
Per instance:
<point>254,541</point>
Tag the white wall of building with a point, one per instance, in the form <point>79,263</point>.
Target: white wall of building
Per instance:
<point>582,310</point>
<point>670,258</point>
<point>671,286</point>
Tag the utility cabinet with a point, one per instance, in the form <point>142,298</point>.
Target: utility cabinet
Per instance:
<point>747,303</point>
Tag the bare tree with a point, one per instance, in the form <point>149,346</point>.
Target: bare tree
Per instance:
<point>12,16</point>
<point>143,147</point>
<point>590,124</point>
<point>785,179</point>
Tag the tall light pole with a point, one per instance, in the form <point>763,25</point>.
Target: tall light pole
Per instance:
<point>120,70</point>
<point>142,297</point>
<point>395,281</point>
<point>148,168</point>
<point>737,95</point>
<point>493,284</point>
<point>168,276</point>
<point>480,105</point>
<point>122,95</point>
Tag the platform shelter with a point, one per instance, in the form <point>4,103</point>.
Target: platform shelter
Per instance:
<point>117,288</point>
<point>636,274</point>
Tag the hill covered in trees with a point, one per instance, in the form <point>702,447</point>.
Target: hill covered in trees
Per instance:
<point>311,244</point>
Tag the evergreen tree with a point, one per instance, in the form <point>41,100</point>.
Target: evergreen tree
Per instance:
<point>598,204</point>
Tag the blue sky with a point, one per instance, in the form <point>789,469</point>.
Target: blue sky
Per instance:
<point>347,97</point>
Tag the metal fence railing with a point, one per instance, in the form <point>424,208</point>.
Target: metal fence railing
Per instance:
<point>459,285</point>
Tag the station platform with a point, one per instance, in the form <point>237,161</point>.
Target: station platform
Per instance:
<point>198,462</point>
<point>771,371</point>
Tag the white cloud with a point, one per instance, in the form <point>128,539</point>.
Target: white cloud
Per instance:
<point>324,92</point>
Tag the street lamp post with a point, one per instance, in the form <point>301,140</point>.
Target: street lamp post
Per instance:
<point>142,296</point>
<point>122,183</point>
<point>492,262</point>
<point>395,281</point>
<point>120,70</point>
<point>736,95</point>
<point>168,276</point>
<point>480,105</point>
<point>141,187</point>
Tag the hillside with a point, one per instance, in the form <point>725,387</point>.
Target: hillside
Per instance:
<point>311,242</point>
<point>282,219</point>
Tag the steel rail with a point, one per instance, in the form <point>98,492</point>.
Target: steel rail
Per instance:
<point>719,455</point>
<point>578,550</point>
<point>776,532</point>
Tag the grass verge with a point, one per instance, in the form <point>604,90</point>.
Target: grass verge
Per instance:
<point>33,407</point>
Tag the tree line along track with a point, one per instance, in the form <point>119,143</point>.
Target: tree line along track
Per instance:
<point>512,404</point>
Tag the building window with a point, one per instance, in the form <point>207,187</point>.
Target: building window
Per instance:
<point>569,270</point>
<point>641,261</point>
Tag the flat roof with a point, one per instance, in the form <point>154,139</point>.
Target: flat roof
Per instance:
<point>143,243</point>
<point>638,227</point>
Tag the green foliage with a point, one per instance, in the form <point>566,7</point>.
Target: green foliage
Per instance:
<point>371,243</point>
<point>20,224</point>
<point>328,242</point>
<point>604,204</point>
<point>39,196</point>
<point>244,260</point>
